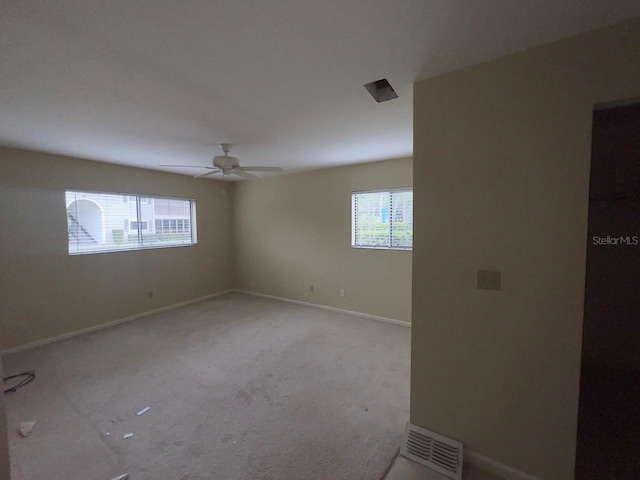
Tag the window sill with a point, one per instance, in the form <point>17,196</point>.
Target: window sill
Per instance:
<point>136,249</point>
<point>396,249</point>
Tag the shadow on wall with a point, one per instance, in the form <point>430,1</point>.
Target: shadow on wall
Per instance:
<point>609,413</point>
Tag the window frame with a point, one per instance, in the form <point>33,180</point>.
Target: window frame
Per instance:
<point>354,222</point>
<point>141,199</point>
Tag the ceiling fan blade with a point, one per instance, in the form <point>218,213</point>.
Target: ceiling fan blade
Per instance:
<point>261,169</point>
<point>207,173</point>
<point>187,166</point>
<point>242,173</point>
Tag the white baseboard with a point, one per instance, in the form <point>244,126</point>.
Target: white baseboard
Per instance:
<point>494,467</point>
<point>130,318</point>
<point>110,324</point>
<point>377,318</point>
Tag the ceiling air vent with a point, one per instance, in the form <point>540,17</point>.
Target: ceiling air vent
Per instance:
<point>381,90</point>
<point>434,451</point>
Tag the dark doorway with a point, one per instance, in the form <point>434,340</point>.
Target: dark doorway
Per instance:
<point>609,412</point>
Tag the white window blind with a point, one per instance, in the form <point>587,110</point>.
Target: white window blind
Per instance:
<point>104,222</point>
<point>382,219</point>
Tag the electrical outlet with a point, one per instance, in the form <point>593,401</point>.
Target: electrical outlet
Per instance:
<point>489,279</point>
<point>311,288</point>
<point>150,294</point>
<point>342,292</point>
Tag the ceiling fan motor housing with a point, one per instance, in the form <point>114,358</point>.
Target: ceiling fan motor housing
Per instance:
<point>226,162</point>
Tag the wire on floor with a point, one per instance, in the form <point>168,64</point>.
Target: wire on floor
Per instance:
<point>27,377</point>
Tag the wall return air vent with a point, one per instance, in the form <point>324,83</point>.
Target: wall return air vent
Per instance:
<point>432,450</point>
<point>381,90</point>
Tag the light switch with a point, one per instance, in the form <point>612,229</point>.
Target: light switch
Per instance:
<point>488,279</point>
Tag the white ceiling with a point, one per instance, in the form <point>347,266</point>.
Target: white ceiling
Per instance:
<point>148,82</point>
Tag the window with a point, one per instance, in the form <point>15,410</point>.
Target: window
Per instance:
<point>382,219</point>
<point>106,222</point>
<point>133,225</point>
<point>134,199</point>
<point>172,225</point>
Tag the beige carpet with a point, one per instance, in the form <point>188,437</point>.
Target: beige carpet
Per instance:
<point>239,388</point>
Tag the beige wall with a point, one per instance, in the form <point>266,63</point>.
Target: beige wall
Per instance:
<point>293,231</point>
<point>45,292</point>
<point>501,171</point>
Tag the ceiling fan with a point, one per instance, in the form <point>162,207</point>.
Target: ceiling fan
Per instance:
<point>228,165</point>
